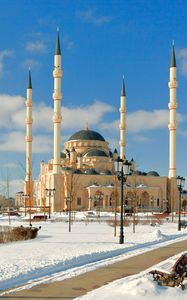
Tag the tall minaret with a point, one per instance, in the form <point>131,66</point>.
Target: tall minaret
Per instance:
<point>28,139</point>
<point>57,74</point>
<point>122,124</point>
<point>172,116</point>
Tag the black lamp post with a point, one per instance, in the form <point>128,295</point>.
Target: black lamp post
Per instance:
<point>50,192</point>
<point>180,185</point>
<point>122,169</point>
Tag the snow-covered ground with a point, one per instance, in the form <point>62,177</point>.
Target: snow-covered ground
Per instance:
<point>57,254</point>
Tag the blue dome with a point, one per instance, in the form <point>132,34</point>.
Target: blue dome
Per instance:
<point>91,172</point>
<point>152,173</point>
<point>87,135</point>
<point>95,153</point>
<point>138,173</point>
<point>77,171</point>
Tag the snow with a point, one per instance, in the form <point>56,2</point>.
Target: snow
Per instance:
<point>139,287</point>
<point>57,254</point>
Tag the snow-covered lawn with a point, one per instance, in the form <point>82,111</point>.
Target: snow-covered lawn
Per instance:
<point>57,254</point>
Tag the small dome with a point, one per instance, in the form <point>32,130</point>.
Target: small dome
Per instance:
<point>105,172</point>
<point>66,168</point>
<point>152,173</point>
<point>137,173</point>
<point>110,154</point>
<point>87,135</point>
<point>91,172</point>
<point>77,171</point>
<point>62,155</point>
<point>95,153</point>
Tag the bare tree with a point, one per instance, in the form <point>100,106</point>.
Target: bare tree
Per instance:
<point>134,199</point>
<point>72,187</point>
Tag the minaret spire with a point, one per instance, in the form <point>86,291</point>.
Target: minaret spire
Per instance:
<point>173,60</point>
<point>29,80</point>
<point>123,88</point>
<point>122,124</point>
<point>28,189</point>
<point>172,126</point>
<point>58,51</point>
<point>57,74</point>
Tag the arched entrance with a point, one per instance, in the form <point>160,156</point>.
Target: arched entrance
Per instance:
<point>144,201</point>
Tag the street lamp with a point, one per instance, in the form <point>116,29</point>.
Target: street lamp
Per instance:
<point>50,192</point>
<point>180,185</point>
<point>122,169</point>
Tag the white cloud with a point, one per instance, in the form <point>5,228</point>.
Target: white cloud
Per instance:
<point>31,63</point>
<point>69,44</point>
<point>15,186</point>
<point>90,16</point>
<point>142,120</point>
<point>15,141</point>
<point>10,105</point>
<point>42,144</point>
<point>182,55</point>
<point>77,117</point>
<point>182,132</point>
<point>3,54</point>
<point>13,111</point>
<point>147,120</point>
<point>12,114</point>
<point>42,117</point>
<point>8,165</point>
<point>141,139</point>
<point>37,46</point>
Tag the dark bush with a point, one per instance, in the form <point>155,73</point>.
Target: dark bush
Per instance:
<point>18,234</point>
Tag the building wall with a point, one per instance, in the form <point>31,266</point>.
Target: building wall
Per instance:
<point>81,190</point>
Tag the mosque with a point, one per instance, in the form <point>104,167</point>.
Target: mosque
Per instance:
<point>82,175</point>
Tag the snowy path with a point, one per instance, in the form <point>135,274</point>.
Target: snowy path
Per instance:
<point>57,254</point>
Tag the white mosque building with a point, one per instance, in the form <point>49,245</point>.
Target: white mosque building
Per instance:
<point>82,174</point>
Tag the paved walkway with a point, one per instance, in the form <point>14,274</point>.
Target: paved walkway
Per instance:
<point>80,285</point>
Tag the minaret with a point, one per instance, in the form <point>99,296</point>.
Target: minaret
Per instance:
<point>172,116</point>
<point>57,74</point>
<point>28,138</point>
<point>122,124</point>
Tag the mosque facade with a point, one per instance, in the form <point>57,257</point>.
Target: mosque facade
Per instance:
<point>82,175</point>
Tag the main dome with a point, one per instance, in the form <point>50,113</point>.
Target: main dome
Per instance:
<point>87,134</point>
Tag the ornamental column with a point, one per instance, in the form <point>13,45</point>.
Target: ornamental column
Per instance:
<point>172,116</point>
<point>122,124</point>
<point>28,189</point>
<point>57,74</point>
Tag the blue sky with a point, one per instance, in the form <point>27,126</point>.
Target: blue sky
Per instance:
<point>100,41</point>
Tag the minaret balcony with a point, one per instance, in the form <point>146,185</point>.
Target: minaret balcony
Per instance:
<point>28,102</point>
<point>28,138</point>
<point>29,121</point>
<point>172,106</point>
<point>173,84</point>
<point>57,118</point>
<point>172,126</point>
<point>122,127</point>
<point>57,96</point>
<point>57,73</point>
<point>122,110</point>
